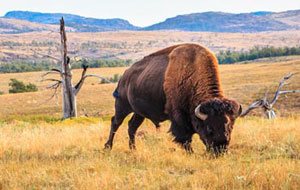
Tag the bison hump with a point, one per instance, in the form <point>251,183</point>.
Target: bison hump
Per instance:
<point>191,76</point>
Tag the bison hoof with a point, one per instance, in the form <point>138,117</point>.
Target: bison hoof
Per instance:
<point>107,146</point>
<point>132,146</point>
<point>190,151</point>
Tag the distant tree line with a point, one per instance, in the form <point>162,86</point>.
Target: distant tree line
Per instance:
<point>224,57</point>
<point>102,63</point>
<point>18,66</point>
<point>229,57</point>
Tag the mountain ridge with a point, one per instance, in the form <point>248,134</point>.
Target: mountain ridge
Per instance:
<point>230,22</point>
<point>79,23</point>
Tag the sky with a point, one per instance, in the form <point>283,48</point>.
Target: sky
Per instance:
<point>145,12</point>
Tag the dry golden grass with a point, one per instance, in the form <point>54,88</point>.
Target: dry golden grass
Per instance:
<point>68,155</point>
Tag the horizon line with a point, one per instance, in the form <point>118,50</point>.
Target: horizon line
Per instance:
<point>146,25</point>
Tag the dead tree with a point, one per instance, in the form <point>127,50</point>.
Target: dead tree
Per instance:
<point>69,91</point>
<point>267,105</point>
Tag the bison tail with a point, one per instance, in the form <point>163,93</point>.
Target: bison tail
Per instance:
<point>116,93</point>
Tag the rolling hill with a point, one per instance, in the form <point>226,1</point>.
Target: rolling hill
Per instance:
<point>79,23</point>
<point>13,26</point>
<point>207,21</point>
<point>227,22</point>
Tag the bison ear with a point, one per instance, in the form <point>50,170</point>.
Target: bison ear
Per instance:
<point>237,110</point>
<point>234,108</point>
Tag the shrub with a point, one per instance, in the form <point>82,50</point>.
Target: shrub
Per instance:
<point>18,66</point>
<point>228,57</point>
<point>19,87</point>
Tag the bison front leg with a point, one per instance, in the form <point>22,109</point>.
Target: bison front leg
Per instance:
<point>182,136</point>
<point>133,124</point>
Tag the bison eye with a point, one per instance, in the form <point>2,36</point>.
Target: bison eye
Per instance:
<point>209,130</point>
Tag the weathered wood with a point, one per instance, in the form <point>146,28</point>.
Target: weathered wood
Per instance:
<point>69,91</point>
<point>267,105</point>
<point>69,99</point>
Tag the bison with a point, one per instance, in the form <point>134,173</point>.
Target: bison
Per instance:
<point>180,83</point>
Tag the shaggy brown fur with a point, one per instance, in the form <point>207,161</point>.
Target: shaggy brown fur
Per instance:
<point>170,84</point>
<point>192,77</point>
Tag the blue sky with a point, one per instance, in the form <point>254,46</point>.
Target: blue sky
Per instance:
<point>142,12</point>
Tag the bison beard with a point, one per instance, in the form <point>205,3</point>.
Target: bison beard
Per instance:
<point>181,84</point>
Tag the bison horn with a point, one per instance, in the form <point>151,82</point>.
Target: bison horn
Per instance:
<point>200,115</point>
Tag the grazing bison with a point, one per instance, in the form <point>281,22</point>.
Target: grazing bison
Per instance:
<point>181,84</point>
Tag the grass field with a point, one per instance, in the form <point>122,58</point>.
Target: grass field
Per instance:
<point>38,151</point>
<point>68,155</point>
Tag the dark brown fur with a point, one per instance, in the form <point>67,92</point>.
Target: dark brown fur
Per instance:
<point>170,84</point>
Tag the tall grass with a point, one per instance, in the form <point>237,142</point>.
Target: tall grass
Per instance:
<point>68,155</point>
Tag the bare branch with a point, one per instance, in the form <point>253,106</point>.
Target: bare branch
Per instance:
<point>54,86</point>
<point>83,77</point>
<point>55,80</point>
<point>56,70</point>
<point>97,76</point>
<point>281,84</point>
<point>265,104</point>
<point>254,105</point>
<point>80,83</point>
<point>57,85</point>
<point>289,91</point>
<point>50,72</point>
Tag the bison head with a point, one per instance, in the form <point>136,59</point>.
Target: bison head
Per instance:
<point>214,123</point>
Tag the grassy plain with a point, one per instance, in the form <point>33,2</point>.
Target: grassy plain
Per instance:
<point>38,151</point>
<point>243,82</point>
<point>133,45</point>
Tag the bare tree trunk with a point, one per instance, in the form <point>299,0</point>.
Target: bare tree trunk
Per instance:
<point>69,98</point>
<point>69,91</point>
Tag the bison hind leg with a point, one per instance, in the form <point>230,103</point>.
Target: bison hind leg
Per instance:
<point>182,136</point>
<point>133,124</point>
<point>121,111</point>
